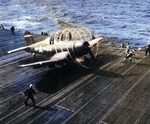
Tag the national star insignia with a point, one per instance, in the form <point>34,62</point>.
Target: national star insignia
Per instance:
<point>40,49</point>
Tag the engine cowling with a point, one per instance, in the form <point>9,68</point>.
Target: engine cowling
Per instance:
<point>81,48</point>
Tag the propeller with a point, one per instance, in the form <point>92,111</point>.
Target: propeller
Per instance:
<point>85,52</point>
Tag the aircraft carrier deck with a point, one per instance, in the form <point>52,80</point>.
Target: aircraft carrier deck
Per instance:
<point>112,92</point>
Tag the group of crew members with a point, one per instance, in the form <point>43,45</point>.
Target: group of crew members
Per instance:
<point>130,52</point>
<point>12,29</point>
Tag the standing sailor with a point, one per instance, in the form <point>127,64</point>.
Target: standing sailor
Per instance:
<point>127,49</point>
<point>29,92</point>
<point>147,50</point>
<point>13,30</point>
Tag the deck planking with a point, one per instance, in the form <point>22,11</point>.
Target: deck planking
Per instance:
<point>112,92</point>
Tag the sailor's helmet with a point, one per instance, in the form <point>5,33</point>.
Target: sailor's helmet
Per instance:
<point>30,85</point>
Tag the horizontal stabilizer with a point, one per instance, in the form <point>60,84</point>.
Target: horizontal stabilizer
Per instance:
<point>18,49</point>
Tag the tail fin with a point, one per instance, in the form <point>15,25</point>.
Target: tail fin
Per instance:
<point>28,38</point>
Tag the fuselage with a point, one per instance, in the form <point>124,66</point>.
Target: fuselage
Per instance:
<point>74,48</point>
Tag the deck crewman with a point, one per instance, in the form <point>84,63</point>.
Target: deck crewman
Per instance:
<point>13,30</point>
<point>127,49</point>
<point>30,92</point>
<point>122,45</point>
<point>147,50</point>
<point>129,55</point>
<point>1,27</point>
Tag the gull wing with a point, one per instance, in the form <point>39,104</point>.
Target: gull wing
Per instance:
<point>61,57</point>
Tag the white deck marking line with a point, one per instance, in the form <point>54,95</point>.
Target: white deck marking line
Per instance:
<point>65,108</point>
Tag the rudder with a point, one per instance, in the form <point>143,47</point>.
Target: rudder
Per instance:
<point>28,38</point>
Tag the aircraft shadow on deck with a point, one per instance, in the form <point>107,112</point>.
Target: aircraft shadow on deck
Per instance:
<point>58,78</point>
<point>102,60</point>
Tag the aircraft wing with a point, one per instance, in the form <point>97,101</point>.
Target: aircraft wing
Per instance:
<point>58,57</point>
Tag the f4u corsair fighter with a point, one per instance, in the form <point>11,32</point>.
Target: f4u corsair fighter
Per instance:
<point>61,52</point>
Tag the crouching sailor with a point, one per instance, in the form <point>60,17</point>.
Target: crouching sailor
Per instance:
<point>129,55</point>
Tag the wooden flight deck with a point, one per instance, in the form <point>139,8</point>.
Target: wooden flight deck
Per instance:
<point>112,92</point>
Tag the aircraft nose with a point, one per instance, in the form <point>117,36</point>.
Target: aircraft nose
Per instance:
<point>81,48</point>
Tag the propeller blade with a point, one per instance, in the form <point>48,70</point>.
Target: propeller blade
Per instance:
<point>95,41</point>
